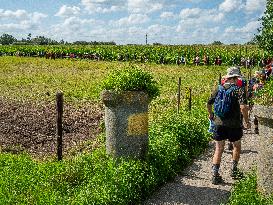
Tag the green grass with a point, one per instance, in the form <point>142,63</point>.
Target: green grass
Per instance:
<point>245,192</point>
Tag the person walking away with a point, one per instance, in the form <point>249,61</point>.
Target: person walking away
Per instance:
<point>197,60</point>
<point>227,118</point>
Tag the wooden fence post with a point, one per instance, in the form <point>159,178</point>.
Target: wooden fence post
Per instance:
<point>178,94</point>
<point>59,108</point>
<point>190,99</point>
<point>220,78</point>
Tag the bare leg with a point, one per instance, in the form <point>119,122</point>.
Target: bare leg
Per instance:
<point>236,150</point>
<point>235,174</point>
<point>219,148</point>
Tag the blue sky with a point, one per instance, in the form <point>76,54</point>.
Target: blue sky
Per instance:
<point>128,21</point>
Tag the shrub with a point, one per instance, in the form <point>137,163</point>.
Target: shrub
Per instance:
<point>265,95</point>
<point>131,78</point>
<point>244,192</point>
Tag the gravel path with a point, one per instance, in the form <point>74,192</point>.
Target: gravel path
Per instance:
<point>194,187</point>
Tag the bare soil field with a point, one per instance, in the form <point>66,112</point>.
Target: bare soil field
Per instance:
<point>31,127</point>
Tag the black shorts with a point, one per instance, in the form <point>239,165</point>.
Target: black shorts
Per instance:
<point>226,133</point>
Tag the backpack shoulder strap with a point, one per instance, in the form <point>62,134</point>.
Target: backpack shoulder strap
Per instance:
<point>220,87</point>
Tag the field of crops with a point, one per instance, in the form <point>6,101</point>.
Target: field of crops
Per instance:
<point>87,175</point>
<point>228,54</point>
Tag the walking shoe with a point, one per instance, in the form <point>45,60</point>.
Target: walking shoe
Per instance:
<point>256,131</point>
<point>216,179</point>
<point>236,174</point>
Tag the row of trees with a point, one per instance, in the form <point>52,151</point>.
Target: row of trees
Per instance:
<point>7,39</point>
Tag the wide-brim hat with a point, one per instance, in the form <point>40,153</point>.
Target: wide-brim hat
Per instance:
<point>233,72</point>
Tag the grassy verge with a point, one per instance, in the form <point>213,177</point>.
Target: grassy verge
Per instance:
<point>245,192</point>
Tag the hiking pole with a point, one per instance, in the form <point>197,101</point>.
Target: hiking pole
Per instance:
<point>59,107</point>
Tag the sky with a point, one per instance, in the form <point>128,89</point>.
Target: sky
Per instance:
<point>130,21</point>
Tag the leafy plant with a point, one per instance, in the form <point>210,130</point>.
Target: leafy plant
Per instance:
<point>244,192</point>
<point>131,78</point>
<point>265,37</point>
<point>265,95</point>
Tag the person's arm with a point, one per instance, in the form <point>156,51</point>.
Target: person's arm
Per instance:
<point>209,104</point>
<point>244,111</point>
<point>209,107</point>
<point>244,108</point>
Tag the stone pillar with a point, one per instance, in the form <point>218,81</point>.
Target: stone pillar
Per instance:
<point>265,155</point>
<point>126,122</point>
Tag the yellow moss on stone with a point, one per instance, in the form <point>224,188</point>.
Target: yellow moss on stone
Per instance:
<point>138,124</point>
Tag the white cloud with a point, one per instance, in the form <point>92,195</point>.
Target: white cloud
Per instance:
<point>66,11</point>
<point>194,18</point>
<point>15,26</point>
<point>167,15</point>
<point>230,5</point>
<point>75,28</point>
<point>20,20</point>
<point>250,27</point>
<point>132,19</point>
<point>255,5</point>
<point>36,17</point>
<point>75,23</point>
<point>103,6</point>
<point>143,6</point>
<point>158,29</point>
<point>190,13</point>
<point>13,14</point>
<point>199,25</point>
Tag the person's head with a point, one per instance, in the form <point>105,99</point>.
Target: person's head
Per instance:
<point>233,73</point>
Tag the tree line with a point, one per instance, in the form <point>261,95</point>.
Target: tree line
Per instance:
<point>7,39</point>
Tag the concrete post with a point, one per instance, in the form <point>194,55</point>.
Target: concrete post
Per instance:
<point>126,122</point>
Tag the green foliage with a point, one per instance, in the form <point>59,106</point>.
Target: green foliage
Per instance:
<point>217,43</point>
<point>23,181</point>
<point>138,53</point>
<point>131,79</point>
<point>265,37</point>
<point>175,140</point>
<point>7,39</point>
<point>265,95</point>
<point>244,192</point>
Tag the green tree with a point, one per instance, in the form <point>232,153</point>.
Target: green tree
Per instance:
<point>29,37</point>
<point>265,35</point>
<point>217,43</point>
<point>41,40</point>
<point>7,39</point>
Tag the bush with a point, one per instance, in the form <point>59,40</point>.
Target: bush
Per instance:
<point>265,95</point>
<point>244,192</point>
<point>175,140</point>
<point>131,79</point>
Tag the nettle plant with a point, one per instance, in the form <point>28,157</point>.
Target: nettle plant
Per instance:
<point>265,95</point>
<point>131,78</point>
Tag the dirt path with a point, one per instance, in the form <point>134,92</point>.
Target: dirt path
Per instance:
<point>194,187</point>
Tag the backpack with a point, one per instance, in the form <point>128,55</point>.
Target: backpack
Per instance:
<point>223,101</point>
